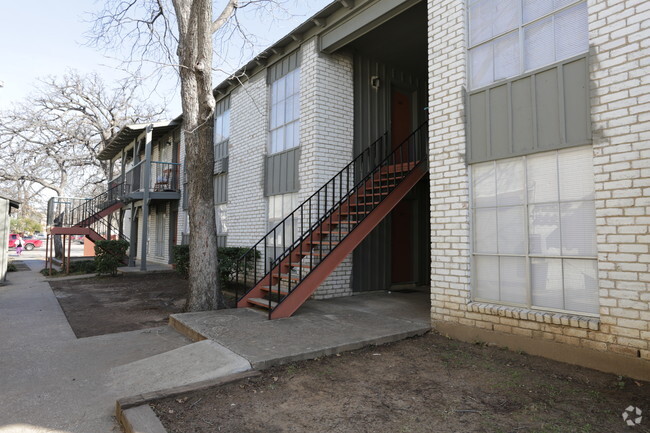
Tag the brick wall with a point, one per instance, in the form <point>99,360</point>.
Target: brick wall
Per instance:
<point>247,206</point>
<point>619,36</point>
<point>326,133</point>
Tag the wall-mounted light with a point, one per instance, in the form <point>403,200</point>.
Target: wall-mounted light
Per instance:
<point>375,82</point>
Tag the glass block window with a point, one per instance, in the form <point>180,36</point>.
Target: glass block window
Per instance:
<point>510,37</point>
<point>284,131</point>
<point>534,231</point>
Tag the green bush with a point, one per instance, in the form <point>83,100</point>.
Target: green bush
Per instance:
<point>109,255</point>
<point>46,272</point>
<point>228,257</point>
<point>83,267</point>
<point>11,267</point>
<point>181,254</point>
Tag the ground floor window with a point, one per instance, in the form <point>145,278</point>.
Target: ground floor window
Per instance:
<point>280,206</point>
<point>534,231</point>
<point>221,220</point>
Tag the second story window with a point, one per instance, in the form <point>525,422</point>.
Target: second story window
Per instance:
<point>221,128</point>
<point>510,37</point>
<point>284,128</point>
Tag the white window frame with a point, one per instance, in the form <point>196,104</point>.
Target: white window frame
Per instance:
<point>528,256</point>
<point>281,103</point>
<point>520,30</point>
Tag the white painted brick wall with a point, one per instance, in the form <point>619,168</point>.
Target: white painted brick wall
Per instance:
<point>326,131</point>
<point>247,206</point>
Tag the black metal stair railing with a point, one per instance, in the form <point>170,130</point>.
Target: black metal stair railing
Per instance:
<point>85,214</point>
<point>319,219</point>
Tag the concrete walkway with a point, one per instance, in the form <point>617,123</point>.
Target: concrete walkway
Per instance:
<point>50,381</point>
<point>318,328</point>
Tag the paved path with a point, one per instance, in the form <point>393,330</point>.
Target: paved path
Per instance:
<point>50,381</point>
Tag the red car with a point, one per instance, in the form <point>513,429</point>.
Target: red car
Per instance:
<point>29,243</point>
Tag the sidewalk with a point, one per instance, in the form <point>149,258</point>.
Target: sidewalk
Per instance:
<point>51,381</point>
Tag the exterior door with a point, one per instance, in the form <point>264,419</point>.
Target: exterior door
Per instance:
<point>402,215</point>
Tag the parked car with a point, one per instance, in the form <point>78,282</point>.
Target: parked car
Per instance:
<point>30,243</point>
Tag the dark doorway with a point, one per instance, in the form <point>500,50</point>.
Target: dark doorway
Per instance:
<point>402,216</point>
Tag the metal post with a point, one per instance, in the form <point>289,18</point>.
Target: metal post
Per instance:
<point>67,268</point>
<point>145,197</point>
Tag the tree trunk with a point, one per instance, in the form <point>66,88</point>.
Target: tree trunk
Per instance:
<point>195,59</point>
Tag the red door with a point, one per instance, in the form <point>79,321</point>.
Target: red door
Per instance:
<point>402,215</point>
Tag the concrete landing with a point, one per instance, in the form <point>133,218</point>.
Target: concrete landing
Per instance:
<point>319,328</point>
<point>186,365</point>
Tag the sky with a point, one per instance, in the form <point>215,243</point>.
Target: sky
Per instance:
<point>46,38</point>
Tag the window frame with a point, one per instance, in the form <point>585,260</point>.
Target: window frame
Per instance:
<point>520,30</point>
<point>527,255</point>
<point>223,108</point>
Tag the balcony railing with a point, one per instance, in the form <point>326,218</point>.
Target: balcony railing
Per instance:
<point>165,176</point>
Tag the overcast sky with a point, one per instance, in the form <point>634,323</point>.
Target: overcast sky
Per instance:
<point>43,38</point>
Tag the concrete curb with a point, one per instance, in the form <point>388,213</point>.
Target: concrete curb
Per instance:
<point>136,416</point>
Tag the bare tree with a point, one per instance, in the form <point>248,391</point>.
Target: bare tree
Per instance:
<point>52,139</point>
<point>182,33</point>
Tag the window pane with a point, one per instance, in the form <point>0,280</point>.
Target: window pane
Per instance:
<point>581,285</point>
<point>512,274</point>
<point>288,136</point>
<point>481,65</point>
<point>280,89</point>
<point>280,140</point>
<point>487,277</point>
<point>542,177</point>
<point>510,181</point>
<point>536,8</point>
<point>288,109</point>
<point>511,230</point>
<point>561,3</point>
<point>544,229</point>
<point>485,230</point>
<point>289,84</point>
<point>225,129</point>
<point>483,176</point>
<point>571,33</point>
<point>506,56</point>
<point>576,174</point>
<point>539,44</point>
<point>296,133</point>
<point>578,229</point>
<point>546,283</point>
<point>506,16</point>
<point>480,21</point>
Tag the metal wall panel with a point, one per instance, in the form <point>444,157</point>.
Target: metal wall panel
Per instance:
<point>281,172</point>
<point>283,67</point>
<point>543,110</point>
<point>372,258</point>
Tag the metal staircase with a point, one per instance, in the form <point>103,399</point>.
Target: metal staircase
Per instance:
<point>282,270</point>
<point>88,218</point>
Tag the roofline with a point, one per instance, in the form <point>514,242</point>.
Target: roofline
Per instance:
<point>12,203</point>
<point>106,151</point>
<point>318,20</point>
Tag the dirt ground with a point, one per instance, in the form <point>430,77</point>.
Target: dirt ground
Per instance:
<point>105,305</point>
<point>423,384</point>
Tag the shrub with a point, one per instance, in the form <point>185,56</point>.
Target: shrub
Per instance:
<point>83,267</point>
<point>11,267</point>
<point>109,255</point>
<point>181,254</point>
<point>46,272</point>
<point>228,257</point>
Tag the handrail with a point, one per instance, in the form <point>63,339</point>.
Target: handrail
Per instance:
<point>329,198</point>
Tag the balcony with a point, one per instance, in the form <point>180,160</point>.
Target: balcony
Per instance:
<point>163,184</point>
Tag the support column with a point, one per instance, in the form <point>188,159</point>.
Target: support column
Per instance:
<point>132,235</point>
<point>145,199</point>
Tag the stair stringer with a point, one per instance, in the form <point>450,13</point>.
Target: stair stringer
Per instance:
<point>311,282</point>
